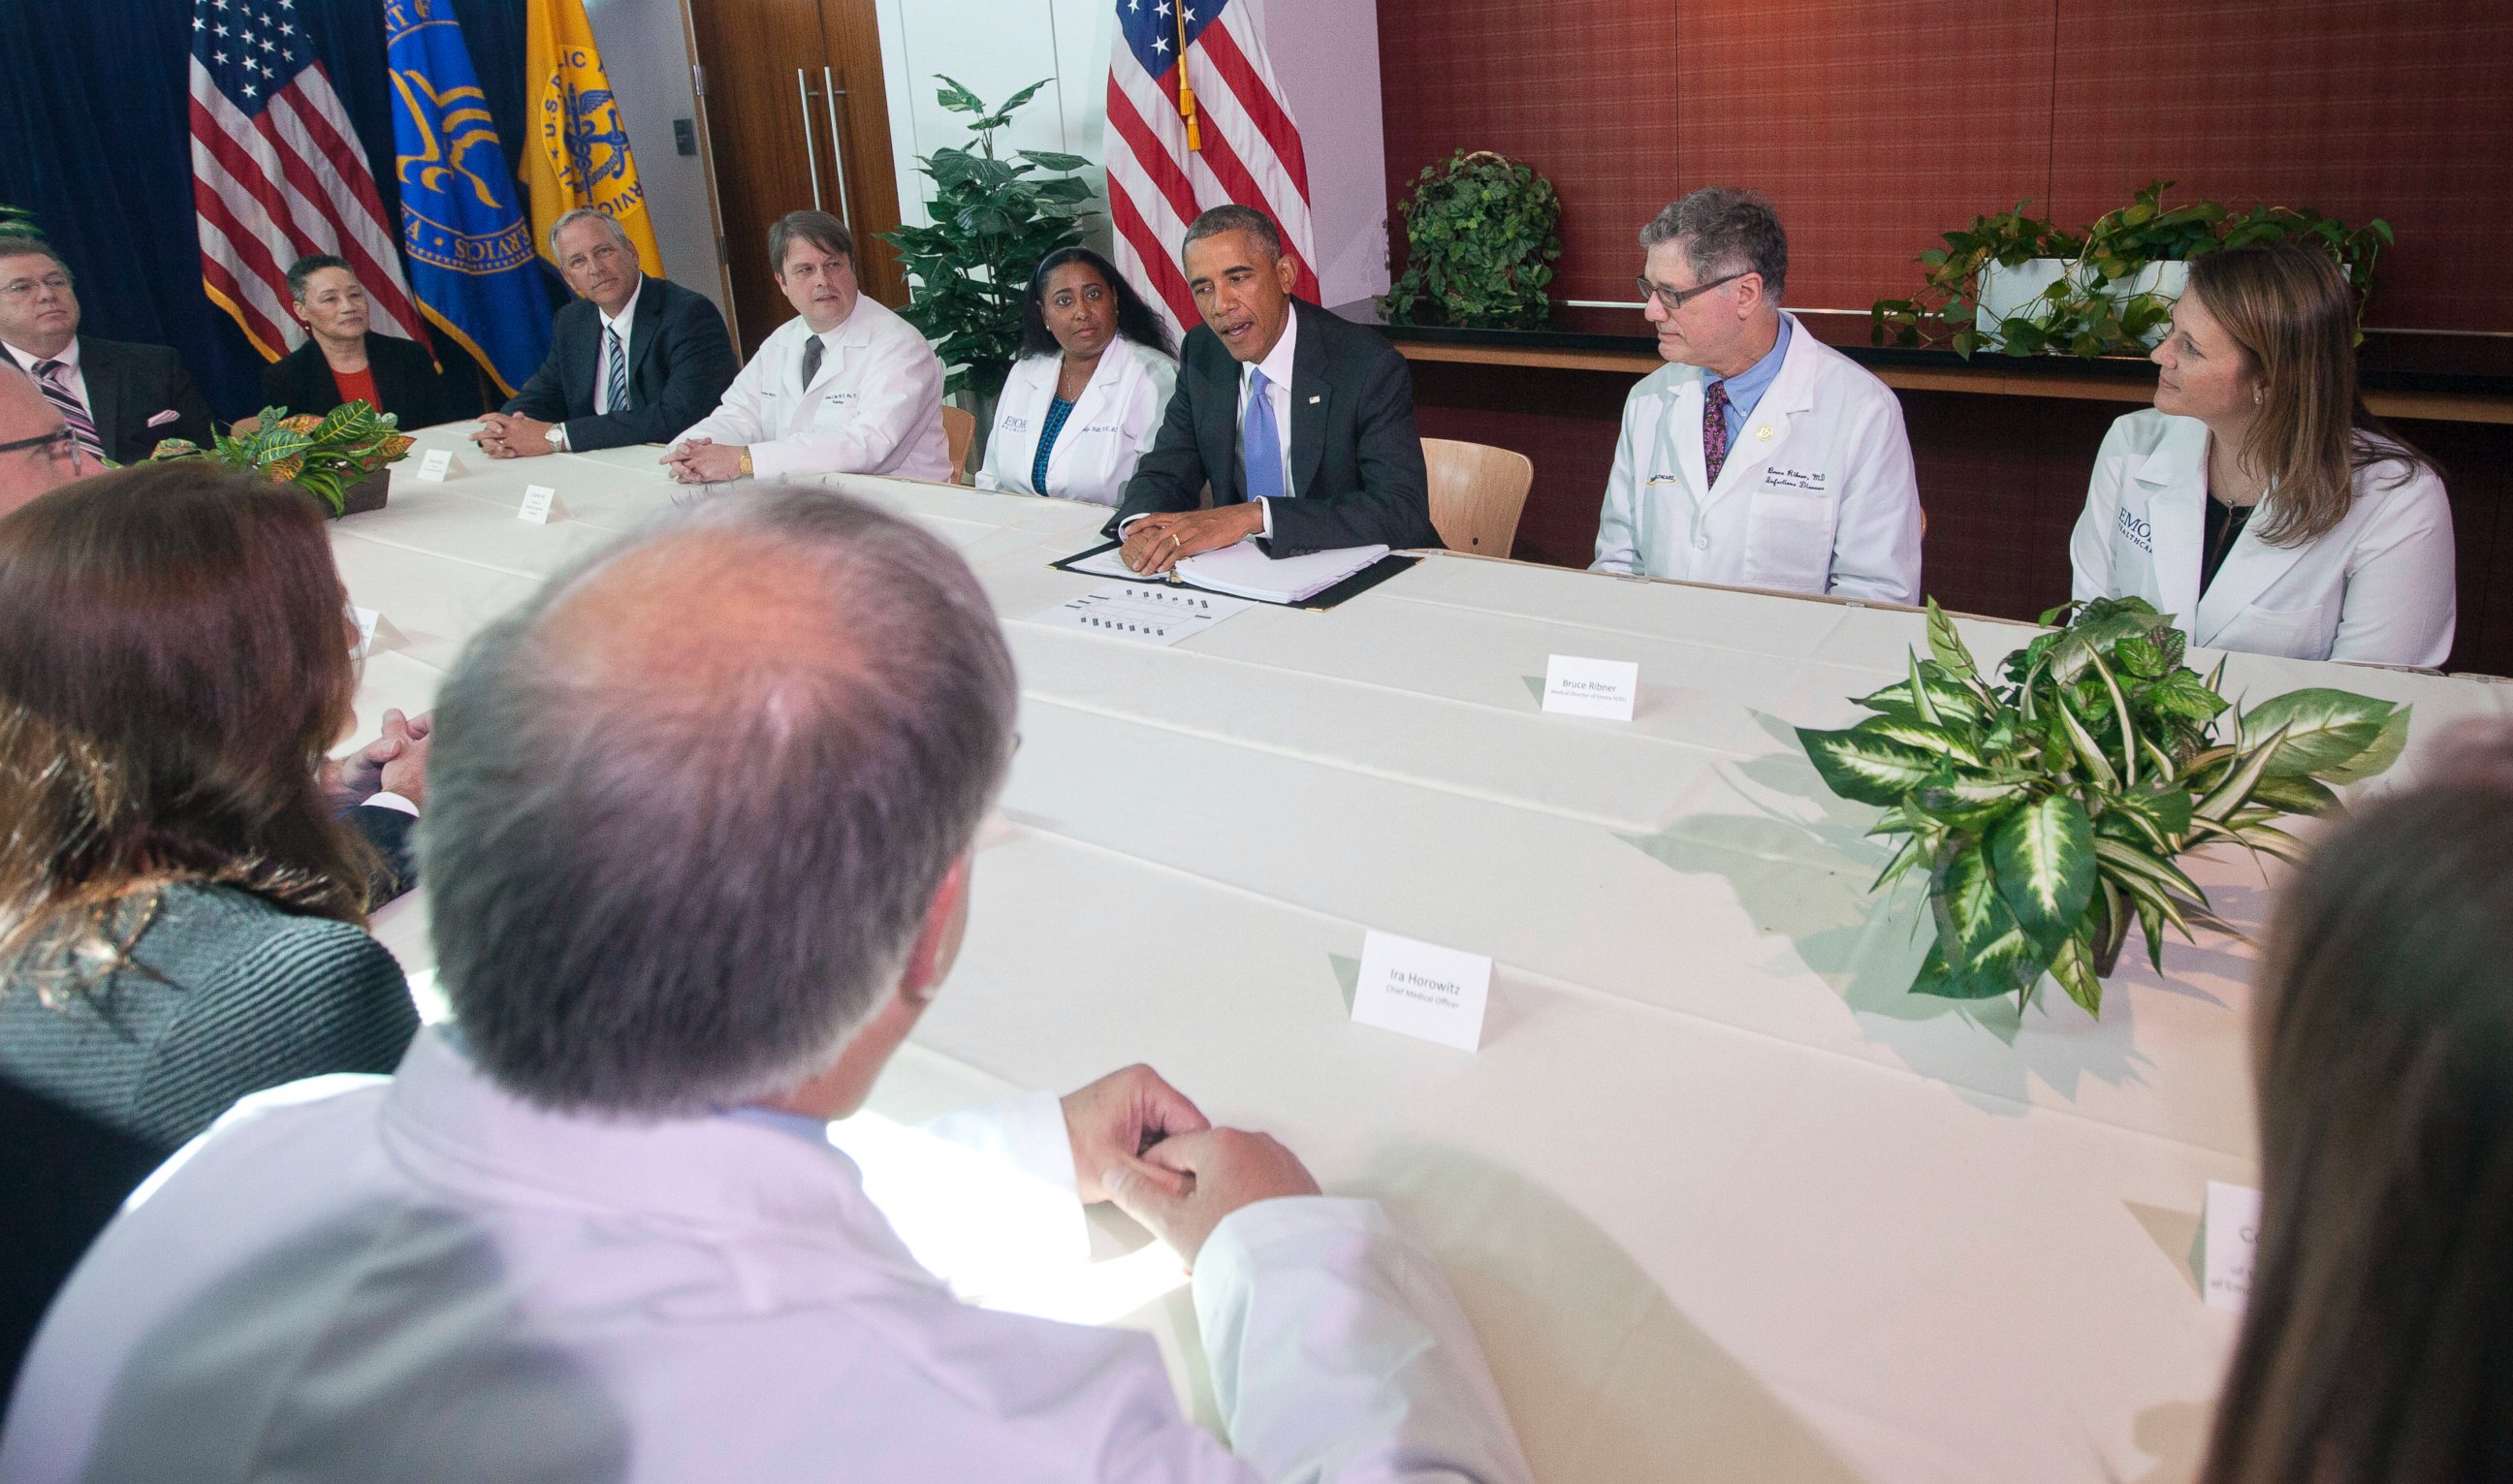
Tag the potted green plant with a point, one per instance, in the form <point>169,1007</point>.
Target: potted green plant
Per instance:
<point>2047,809</point>
<point>992,219</point>
<point>2016,284</point>
<point>1479,242</point>
<point>341,459</point>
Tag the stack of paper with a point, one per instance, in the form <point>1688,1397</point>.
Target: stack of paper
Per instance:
<point>1246,571</point>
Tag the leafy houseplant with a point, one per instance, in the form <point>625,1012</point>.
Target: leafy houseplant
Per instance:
<point>991,225</point>
<point>1479,236</point>
<point>2047,809</point>
<point>328,456</point>
<point>2099,303</point>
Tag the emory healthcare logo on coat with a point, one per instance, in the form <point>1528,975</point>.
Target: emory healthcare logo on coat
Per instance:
<point>2140,532</point>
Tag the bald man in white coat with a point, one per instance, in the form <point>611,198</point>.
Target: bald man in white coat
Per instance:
<point>700,850</point>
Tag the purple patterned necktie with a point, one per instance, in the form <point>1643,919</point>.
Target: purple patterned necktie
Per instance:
<point>54,378</point>
<point>1714,429</point>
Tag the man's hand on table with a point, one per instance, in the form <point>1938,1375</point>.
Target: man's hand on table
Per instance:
<point>1226,1168</point>
<point>511,435</point>
<point>1115,1120</point>
<point>704,462</point>
<point>1157,542</point>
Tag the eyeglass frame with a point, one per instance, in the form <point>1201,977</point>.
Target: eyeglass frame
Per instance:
<point>60,437</point>
<point>1682,297</point>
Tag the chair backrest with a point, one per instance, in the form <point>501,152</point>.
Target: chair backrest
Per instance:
<point>1477,493</point>
<point>959,429</point>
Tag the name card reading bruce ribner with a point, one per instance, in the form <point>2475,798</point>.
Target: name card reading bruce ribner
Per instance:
<point>541,505</point>
<point>2233,1235</point>
<point>437,465</point>
<point>1606,688</point>
<point>1421,988</point>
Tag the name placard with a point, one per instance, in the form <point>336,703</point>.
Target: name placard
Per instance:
<point>541,505</point>
<point>375,633</point>
<point>437,465</point>
<point>1421,988</point>
<point>1605,688</point>
<point>2232,1228</point>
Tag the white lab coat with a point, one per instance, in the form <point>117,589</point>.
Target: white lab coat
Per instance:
<point>1111,424</point>
<point>875,407</point>
<point>2378,586</point>
<point>1816,496</point>
<point>427,1278</point>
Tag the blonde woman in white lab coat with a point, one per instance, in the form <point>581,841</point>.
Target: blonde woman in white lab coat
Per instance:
<point>2258,500</point>
<point>1082,404</point>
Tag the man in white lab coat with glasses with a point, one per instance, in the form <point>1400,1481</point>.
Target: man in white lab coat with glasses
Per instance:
<point>1761,457</point>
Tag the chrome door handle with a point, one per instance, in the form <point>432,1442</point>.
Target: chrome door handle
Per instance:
<point>811,155</point>
<point>829,92</point>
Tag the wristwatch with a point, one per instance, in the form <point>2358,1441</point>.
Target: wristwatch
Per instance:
<point>557,435</point>
<point>746,464</point>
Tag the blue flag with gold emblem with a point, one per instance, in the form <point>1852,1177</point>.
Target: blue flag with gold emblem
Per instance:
<point>472,267</point>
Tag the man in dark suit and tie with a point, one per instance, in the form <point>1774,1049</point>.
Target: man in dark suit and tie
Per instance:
<point>1301,423</point>
<point>118,400</point>
<point>632,360</point>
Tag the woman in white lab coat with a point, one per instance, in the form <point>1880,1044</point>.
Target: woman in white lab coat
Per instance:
<point>1082,404</point>
<point>2258,500</point>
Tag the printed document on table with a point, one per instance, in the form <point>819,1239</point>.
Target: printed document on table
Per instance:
<point>1146,615</point>
<point>1243,570</point>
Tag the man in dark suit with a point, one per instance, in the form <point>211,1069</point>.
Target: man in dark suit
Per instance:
<point>632,360</point>
<point>119,400</point>
<point>1301,423</point>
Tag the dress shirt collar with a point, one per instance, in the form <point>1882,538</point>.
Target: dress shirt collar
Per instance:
<point>628,313</point>
<point>1747,386</point>
<point>1277,365</point>
<point>27,360</point>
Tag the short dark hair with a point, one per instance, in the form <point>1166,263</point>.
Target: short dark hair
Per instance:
<point>819,228</point>
<point>302,272</point>
<point>2378,1332</point>
<point>1234,218</point>
<point>19,243</point>
<point>1136,319</point>
<point>1725,231</point>
<point>652,901</point>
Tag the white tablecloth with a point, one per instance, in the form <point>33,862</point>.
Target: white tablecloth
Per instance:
<point>1723,1200</point>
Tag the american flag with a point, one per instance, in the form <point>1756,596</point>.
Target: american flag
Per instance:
<point>277,174</point>
<point>1224,137</point>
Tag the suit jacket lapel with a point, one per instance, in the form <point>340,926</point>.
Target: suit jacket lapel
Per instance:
<point>646,332</point>
<point>1311,399</point>
<point>105,395</point>
<point>1220,437</point>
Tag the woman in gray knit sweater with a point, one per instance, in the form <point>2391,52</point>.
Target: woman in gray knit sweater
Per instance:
<point>181,916</point>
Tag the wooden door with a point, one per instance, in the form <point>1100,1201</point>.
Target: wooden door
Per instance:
<point>776,80</point>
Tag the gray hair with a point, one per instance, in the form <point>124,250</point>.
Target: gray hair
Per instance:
<point>302,272</point>
<point>665,882</point>
<point>819,228</point>
<point>1235,218</point>
<point>611,228</point>
<point>1725,231</point>
<point>19,244</point>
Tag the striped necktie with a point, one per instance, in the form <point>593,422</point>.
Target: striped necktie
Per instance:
<point>616,379</point>
<point>54,378</point>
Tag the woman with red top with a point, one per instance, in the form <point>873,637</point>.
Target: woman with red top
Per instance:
<point>343,361</point>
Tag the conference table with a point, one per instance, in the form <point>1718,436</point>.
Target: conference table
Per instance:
<point>1721,1198</point>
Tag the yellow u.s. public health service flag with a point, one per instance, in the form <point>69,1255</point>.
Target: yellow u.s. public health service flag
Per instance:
<point>579,151</point>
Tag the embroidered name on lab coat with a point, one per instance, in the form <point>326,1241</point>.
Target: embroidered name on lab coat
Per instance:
<point>1794,479</point>
<point>2140,532</point>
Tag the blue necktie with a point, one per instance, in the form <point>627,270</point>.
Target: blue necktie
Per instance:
<point>615,375</point>
<point>1260,447</point>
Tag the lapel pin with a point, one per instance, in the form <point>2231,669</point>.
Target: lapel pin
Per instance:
<point>1764,432</point>
<point>1313,401</point>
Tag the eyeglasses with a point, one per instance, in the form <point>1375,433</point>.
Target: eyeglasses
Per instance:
<point>1675,298</point>
<point>24,288</point>
<point>60,448</point>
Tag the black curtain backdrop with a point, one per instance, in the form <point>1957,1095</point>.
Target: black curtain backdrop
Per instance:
<point>95,140</point>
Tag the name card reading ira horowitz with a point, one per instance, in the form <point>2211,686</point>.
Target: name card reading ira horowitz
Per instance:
<point>1421,988</point>
<point>1606,688</point>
